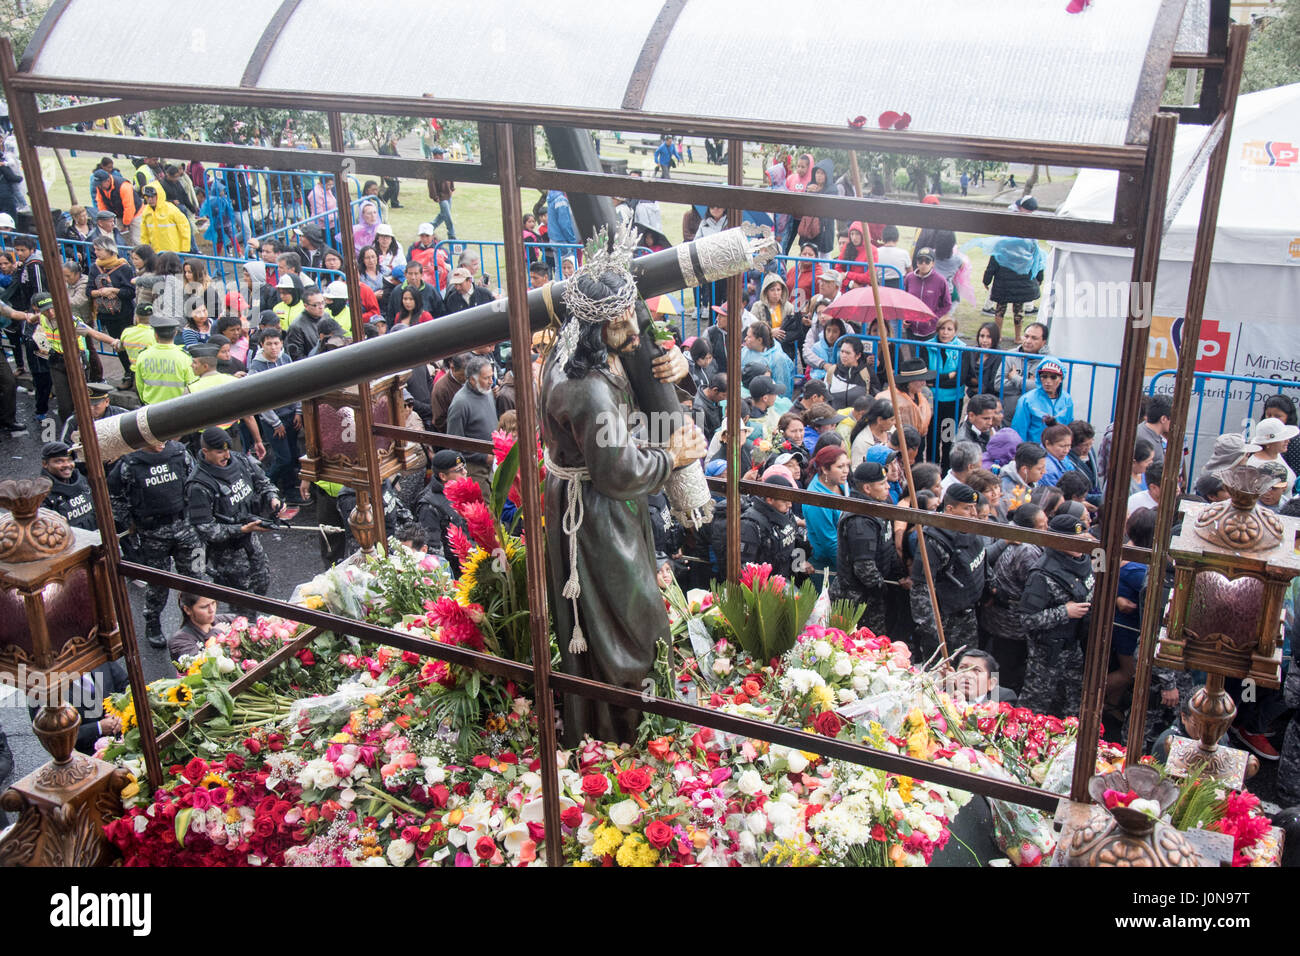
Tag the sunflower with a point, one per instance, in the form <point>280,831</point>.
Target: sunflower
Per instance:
<point>214,780</point>
<point>180,695</point>
<point>469,575</point>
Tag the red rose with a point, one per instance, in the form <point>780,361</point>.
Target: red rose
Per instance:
<point>264,827</point>
<point>234,762</point>
<point>634,780</point>
<point>253,746</point>
<point>307,658</point>
<point>462,789</point>
<point>195,770</point>
<point>410,657</point>
<point>571,817</point>
<point>507,757</point>
<point>485,848</point>
<point>537,831</point>
<point>595,784</point>
<point>482,761</point>
<point>660,748</point>
<point>439,795</point>
<point>659,834</point>
<point>828,724</point>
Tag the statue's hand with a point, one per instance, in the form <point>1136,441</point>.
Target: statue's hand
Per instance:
<point>671,366</point>
<point>687,444</point>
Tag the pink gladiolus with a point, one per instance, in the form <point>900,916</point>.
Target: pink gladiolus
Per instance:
<point>463,491</point>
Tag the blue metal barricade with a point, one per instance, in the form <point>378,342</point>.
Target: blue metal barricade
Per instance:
<point>276,199</point>
<point>1240,400</point>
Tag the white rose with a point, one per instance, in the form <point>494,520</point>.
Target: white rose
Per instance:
<point>326,778</point>
<point>797,762</point>
<point>784,832</point>
<point>624,814</point>
<point>399,851</point>
<point>756,823</point>
<point>749,782</point>
<point>434,774</point>
<point>778,813</point>
<point>842,667</point>
<point>747,843</point>
<point>822,650</point>
<point>847,695</point>
<point>722,666</point>
<point>225,665</point>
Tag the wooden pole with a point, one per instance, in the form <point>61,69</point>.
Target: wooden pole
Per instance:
<point>883,328</point>
<point>735,324</point>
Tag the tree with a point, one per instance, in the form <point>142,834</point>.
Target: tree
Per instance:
<point>377,130</point>
<point>19,19</point>
<point>1272,57</point>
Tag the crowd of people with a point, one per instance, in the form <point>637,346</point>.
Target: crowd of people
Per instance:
<point>989,437</point>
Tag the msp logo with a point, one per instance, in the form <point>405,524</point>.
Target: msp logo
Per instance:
<point>1295,248</point>
<point>1212,356</point>
<point>1270,153</point>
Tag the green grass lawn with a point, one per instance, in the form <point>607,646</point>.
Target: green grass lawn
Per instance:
<point>476,210</point>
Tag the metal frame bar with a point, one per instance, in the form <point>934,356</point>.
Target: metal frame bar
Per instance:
<point>22,110</point>
<point>283,159</point>
<point>1185,378</point>
<point>1043,152</point>
<point>246,680</point>
<point>643,71</point>
<point>1146,263</point>
<point>88,112</point>
<point>1155,69</point>
<point>266,42</point>
<point>512,222</point>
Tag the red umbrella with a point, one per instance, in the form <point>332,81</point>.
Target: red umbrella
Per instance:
<point>859,306</point>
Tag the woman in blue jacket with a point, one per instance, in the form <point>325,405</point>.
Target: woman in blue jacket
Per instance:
<point>948,392</point>
<point>1048,400</point>
<point>831,465</point>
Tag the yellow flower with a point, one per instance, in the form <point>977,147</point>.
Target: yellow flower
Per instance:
<point>607,840</point>
<point>180,695</point>
<point>635,851</point>
<point>469,575</point>
<point>582,863</point>
<point>824,698</point>
<point>313,602</point>
<point>905,789</point>
<point>213,780</point>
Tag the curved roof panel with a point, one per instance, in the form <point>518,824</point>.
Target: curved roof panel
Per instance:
<point>1001,69</point>
<point>145,41</point>
<point>559,53</point>
<point>1013,69</point>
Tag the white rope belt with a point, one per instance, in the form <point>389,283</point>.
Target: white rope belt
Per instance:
<point>570,525</point>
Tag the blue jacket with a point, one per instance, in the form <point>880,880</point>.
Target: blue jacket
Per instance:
<point>945,360</point>
<point>778,363</point>
<point>1056,468</point>
<point>559,218</point>
<point>1034,406</point>
<point>822,523</point>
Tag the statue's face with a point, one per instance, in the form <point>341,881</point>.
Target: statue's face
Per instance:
<point>621,334</point>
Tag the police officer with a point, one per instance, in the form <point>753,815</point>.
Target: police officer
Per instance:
<point>1055,607</point>
<point>768,532</point>
<point>228,494</point>
<point>957,565</point>
<point>135,339</point>
<point>866,557</point>
<point>434,511</point>
<point>70,494</point>
<point>100,407</point>
<point>151,487</point>
<point>164,370</point>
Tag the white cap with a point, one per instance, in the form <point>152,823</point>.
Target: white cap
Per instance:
<point>338,289</point>
<point>426,229</point>
<point>384,229</point>
<point>285,282</point>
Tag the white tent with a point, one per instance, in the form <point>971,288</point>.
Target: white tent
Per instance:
<point>1251,325</point>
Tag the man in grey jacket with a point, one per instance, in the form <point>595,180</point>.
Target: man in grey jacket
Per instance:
<point>284,423</point>
<point>473,414</point>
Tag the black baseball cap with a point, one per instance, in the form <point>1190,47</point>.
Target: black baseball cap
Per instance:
<point>447,459</point>
<point>215,437</point>
<point>1065,524</point>
<point>868,472</point>
<point>762,385</point>
<point>55,449</point>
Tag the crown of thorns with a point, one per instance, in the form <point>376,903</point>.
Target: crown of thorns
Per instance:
<point>601,256</point>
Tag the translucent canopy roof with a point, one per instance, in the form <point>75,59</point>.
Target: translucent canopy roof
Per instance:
<point>1001,69</point>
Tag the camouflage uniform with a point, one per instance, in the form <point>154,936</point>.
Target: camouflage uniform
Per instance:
<point>1054,672</point>
<point>150,492</point>
<point>958,567</point>
<point>222,500</point>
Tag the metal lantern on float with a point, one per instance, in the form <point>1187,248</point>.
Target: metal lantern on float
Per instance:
<point>334,453</point>
<point>57,625</point>
<point>1233,562</point>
